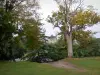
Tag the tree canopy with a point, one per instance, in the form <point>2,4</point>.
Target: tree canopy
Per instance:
<point>70,20</point>
<point>19,17</point>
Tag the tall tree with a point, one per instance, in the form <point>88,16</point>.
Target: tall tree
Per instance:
<point>29,22</point>
<point>72,17</point>
<point>7,28</point>
<point>18,17</point>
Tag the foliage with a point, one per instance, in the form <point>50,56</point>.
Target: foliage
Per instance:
<point>70,21</point>
<point>92,49</point>
<point>48,51</point>
<point>80,52</point>
<point>16,19</point>
<point>83,38</point>
<point>7,27</point>
<point>14,49</point>
<point>32,33</point>
<point>56,53</point>
<point>30,23</point>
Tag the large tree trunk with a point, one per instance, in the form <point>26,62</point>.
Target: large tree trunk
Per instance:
<point>69,45</point>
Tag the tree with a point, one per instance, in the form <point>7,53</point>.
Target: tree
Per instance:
<point>15,18</point>
<point>30,23</point>
<point>7,28</point>
<point>32,33</point>
<point>70,19</point>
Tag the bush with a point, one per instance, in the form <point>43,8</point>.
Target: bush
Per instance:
<point>47,51</point>
<point>79,53</point>
<point>92,49</point>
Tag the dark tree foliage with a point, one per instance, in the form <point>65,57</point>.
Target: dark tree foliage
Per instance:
<point>15,18</point>
<point>7,28</point>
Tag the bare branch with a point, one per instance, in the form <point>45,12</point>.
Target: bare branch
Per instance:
<point>80,3</point>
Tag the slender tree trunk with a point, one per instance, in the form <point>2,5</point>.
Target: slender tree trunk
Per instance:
<point>69,45</point>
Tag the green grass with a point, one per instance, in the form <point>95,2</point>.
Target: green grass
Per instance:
<point>30,68</point>
<point>91,64</point>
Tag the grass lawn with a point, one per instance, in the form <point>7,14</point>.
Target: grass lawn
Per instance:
<point>30,68</point>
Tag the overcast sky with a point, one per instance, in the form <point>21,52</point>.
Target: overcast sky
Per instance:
<point>47,6</point>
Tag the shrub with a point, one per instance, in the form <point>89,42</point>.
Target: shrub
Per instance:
<point>92,49</point>
<point>47,51</point>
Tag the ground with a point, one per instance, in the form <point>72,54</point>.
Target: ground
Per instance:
<point>82,66</point>
<point>66,65</point>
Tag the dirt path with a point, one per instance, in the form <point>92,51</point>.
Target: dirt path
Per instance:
<point>67,65</point>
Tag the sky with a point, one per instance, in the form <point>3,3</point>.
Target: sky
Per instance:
<point>48,6</point>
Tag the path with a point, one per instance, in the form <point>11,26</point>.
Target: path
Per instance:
<point>67,65</point>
